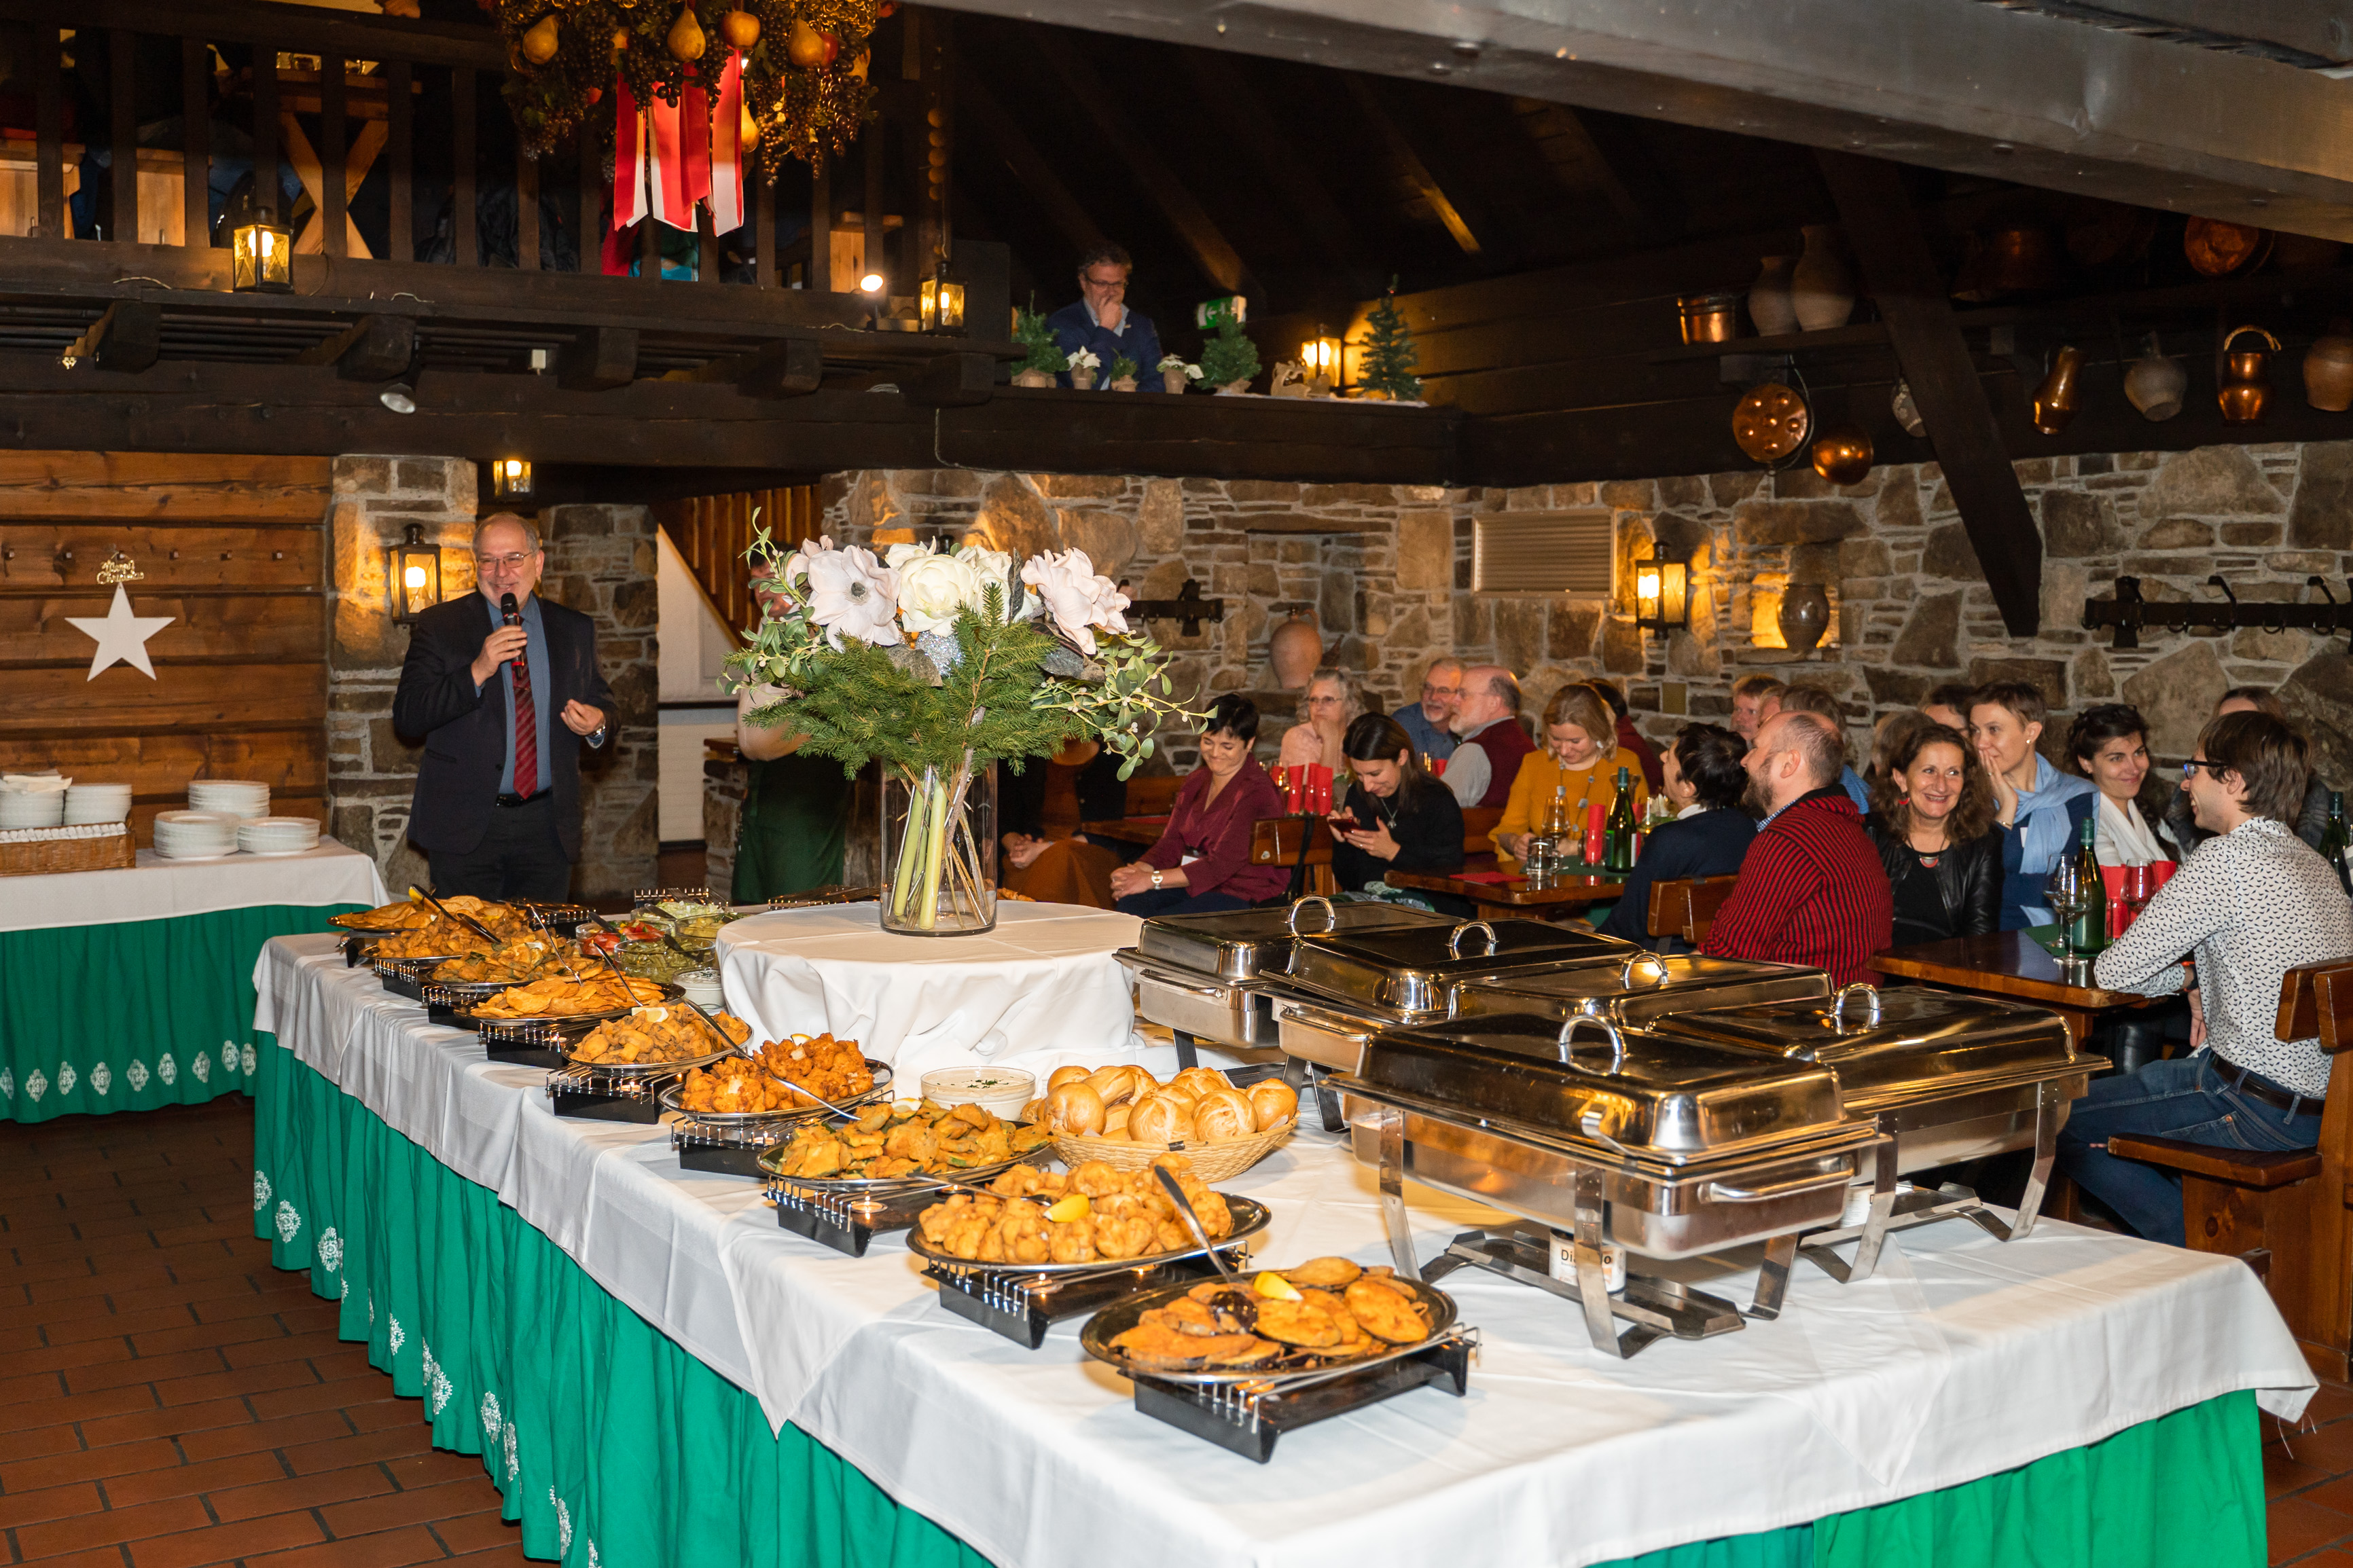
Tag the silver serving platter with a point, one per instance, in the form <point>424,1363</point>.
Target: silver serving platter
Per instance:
<point>642,1069</point>
<point>1298,1366</point>
<point>855,1187</point>
<point>881,1091</point>
<point>668,998</point>
<point>1642,988</point>
<point>1250,1217</point>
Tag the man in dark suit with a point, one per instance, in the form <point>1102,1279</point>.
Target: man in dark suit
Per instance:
<point>501,709</point>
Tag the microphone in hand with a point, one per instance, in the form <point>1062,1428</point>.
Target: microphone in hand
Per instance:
<point>509,611</point>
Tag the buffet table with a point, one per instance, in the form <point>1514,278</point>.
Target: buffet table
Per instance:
<point>655,1373</point>
<point>128,989</point>
<point>1044,980</point>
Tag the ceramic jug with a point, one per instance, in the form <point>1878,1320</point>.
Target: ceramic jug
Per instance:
<point>1821,287</point>
<point>1769,309</point>
<point>2328,369</point>
<point>2154,384</point>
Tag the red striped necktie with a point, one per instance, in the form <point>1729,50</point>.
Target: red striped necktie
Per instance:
<point>526,730</point>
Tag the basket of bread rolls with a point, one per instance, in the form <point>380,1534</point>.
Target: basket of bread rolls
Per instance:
<point>1127,1118</point>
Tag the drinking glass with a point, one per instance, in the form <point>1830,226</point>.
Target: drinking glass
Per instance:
<point>2139,886</point>
<point>2070,898</point>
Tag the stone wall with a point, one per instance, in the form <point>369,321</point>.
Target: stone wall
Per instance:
<point>600,561</point>
<point>1385,570</point>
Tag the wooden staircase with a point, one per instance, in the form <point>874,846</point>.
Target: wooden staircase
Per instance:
<point>711,533</point>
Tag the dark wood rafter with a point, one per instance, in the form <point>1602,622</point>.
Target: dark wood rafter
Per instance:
<point>1903,277</point>
<point>994,131</point>
<point>1621,170</point>
<point>1250,127</point>
<point>1207,244</point>
<point>1414,154</point>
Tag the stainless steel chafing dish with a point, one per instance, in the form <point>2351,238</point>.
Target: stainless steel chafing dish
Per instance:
<point>1642,988</point>
<point>1943,1077</point>
<point>1216,978</point>
<point>1408,975</point>
<point>1665,1147</point>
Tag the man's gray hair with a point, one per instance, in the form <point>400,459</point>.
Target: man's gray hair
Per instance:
<point>530,529</point>
<point>1507,686</point>
<point>1818,745</point>
<point>1443,661</point>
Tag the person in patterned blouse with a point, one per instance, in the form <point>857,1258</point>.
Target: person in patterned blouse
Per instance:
<point>2247,905</point>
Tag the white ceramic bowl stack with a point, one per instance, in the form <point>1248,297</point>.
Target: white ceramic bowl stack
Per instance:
<point>32,808</point>
<point>239,797</point>
<point>89,802</point>
<point>196,834</point>
<point>278,836</point>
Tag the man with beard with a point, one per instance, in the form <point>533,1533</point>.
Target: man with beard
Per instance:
<point>1811,888</point>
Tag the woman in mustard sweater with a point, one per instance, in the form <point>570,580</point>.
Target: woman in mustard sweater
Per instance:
<point>1579,761</point>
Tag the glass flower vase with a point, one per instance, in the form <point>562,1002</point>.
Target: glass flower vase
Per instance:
<point>939,850</point>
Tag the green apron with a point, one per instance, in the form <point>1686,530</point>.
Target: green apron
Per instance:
<point>795,827</point>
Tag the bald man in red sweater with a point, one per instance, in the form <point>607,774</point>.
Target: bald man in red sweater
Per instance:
<point>1811,887</point>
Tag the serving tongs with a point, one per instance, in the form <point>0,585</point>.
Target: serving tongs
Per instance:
<point>453,917</point>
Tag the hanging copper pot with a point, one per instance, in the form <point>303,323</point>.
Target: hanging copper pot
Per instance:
<point>1843,454</point>
<point>2246,383</point>
<point>2328,369</point>
<point>2010,259</point>
<point>1771,422</point>
<point>2217,248</point>
<point>2062,392</point>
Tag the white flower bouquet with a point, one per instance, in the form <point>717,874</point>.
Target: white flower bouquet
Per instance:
<point>939,663</point>
<point>1084,359</point>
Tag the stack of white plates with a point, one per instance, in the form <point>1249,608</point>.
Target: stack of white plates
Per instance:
<point>32,808</point>
<point>278,836</point>
<point>239,797</point>
<point>196,834</point>
<point>97,803</point>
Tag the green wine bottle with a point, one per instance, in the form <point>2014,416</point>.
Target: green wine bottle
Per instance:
<point>1618,834</point>
<point>2091,927</point>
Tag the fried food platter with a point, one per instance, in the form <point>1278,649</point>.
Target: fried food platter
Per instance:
<point>671,1096</point>
<point>1250,1219</point>
<point>1026,1146</point>
<point>1289,1364</point>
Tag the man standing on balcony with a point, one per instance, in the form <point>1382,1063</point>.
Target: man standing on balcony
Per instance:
<point>1102,323</point>
<point>501,701</point>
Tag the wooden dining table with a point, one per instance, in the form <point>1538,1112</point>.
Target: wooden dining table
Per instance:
<point>2012,963</point>
<point>1514,896</point>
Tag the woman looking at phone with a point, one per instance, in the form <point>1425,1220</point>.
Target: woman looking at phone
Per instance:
<point>1396,817</point>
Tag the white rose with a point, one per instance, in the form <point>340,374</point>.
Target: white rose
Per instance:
<point>852,595</point>
<point>1079,601</point>
<point>989,566</point>
<point>932,590</point>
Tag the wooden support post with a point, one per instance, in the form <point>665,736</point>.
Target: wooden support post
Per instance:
<point>50,130</point>
<point>790,367</point>
<point>649,262</point>
<point>400,121</point>
<point>599,359</point>
<point>526,212</point>
<point>871,154</point>
<point>121,47</point>
<point>706,246</point>
<point>951,381</point>
<point>588,187</point>
<point>266,195</point>
<point>335,197</point>
<point>821,262</point>
<point>462,106</point>
<point>195,145</point>
<point>129,336</point>
<point>760,214</point>
<point>374,348</point>
<point>1903,277</point>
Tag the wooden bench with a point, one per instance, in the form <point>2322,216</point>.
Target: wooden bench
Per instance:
<point>1686,908</point>
<point>2286,1213</point>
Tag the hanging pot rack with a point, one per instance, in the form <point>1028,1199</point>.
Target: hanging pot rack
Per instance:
<point>2126,612</point>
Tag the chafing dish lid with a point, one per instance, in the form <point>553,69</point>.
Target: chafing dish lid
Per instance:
<point>1912,1042</point>
<point>1400,966</point>
<point>1558,992</point>
<point>1239,944</point>
<point>1629,1089</point>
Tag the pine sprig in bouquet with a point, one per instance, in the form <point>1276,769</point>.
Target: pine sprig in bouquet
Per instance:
<point>938,664</point>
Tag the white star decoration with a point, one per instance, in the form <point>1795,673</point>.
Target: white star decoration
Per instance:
<point>121,637</point>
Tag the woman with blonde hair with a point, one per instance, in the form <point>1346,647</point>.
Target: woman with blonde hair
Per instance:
<point>1328,705</point>
<point>1577,764</point>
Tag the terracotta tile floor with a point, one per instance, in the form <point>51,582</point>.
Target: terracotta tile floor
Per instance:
<point>168,1399</point>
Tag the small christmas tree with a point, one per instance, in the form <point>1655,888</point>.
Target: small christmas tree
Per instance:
<point>1386,356</point>
<point>1030,331</point>
<point>1229,356</point>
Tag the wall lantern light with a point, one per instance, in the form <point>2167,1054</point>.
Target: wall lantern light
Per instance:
<point>263,258</point>
<point>942,303</point>
<point>510,478</point>
<point>416,577</point>
<point>1662,593</point>
<point>1319,356</point>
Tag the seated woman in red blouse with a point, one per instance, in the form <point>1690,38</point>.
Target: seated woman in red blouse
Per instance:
<point>1202,862</point>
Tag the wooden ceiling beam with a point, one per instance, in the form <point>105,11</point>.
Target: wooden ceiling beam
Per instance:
<point>1902,277</point>
<point>1621,169</point>
<point>1414,153</point>
<point>129,336</point>
<point>993,128</point>
<point>373,348</point>
<point>1249,124</point>
<point>1210,250</point>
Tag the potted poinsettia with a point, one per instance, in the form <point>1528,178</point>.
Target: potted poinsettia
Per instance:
<point>1175,371</point>
<point>1122,373</point>
<point>938,664</point>
<point>1083,366</point>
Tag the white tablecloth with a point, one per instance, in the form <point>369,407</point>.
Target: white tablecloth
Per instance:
<point>1965,1357</point>
<point>156,888</point>
<point>1039,988</point>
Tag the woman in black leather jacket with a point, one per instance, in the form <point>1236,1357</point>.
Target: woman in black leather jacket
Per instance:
<point>1933,822</point>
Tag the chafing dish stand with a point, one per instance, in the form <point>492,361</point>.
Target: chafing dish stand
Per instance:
<point>1245,1418</point>
<point>1021,1307</point>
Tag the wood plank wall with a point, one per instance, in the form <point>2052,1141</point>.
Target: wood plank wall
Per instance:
<point>234,550</point>
<point>711,533</point>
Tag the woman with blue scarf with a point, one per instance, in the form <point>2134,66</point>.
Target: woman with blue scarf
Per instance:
<point>2043,810</point>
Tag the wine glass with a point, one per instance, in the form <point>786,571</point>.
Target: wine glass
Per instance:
<point>2139,886</point>
<point>2070,898</point>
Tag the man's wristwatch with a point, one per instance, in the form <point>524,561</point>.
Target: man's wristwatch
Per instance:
<point>1155,876</point>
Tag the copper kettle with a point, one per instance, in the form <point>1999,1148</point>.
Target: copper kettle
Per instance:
<point>2245,386</point>
<point>2062,392</point>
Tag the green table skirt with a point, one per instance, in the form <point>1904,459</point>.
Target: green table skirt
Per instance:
<point>130,1017</point>
<point>612,1444</point>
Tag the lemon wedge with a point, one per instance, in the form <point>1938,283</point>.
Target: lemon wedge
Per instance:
<point>1070,1208</point>
<point>1275,1288</point>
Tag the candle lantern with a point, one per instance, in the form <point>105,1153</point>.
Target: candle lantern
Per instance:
<point>510,478</point>
<point>263,258</point>
<point>1319,357</point>
<point>416,577</point>
<point>1662,593</point>
<point>942,303</point>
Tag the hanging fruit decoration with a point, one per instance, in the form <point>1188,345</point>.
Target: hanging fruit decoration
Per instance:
<point>804,64</point>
